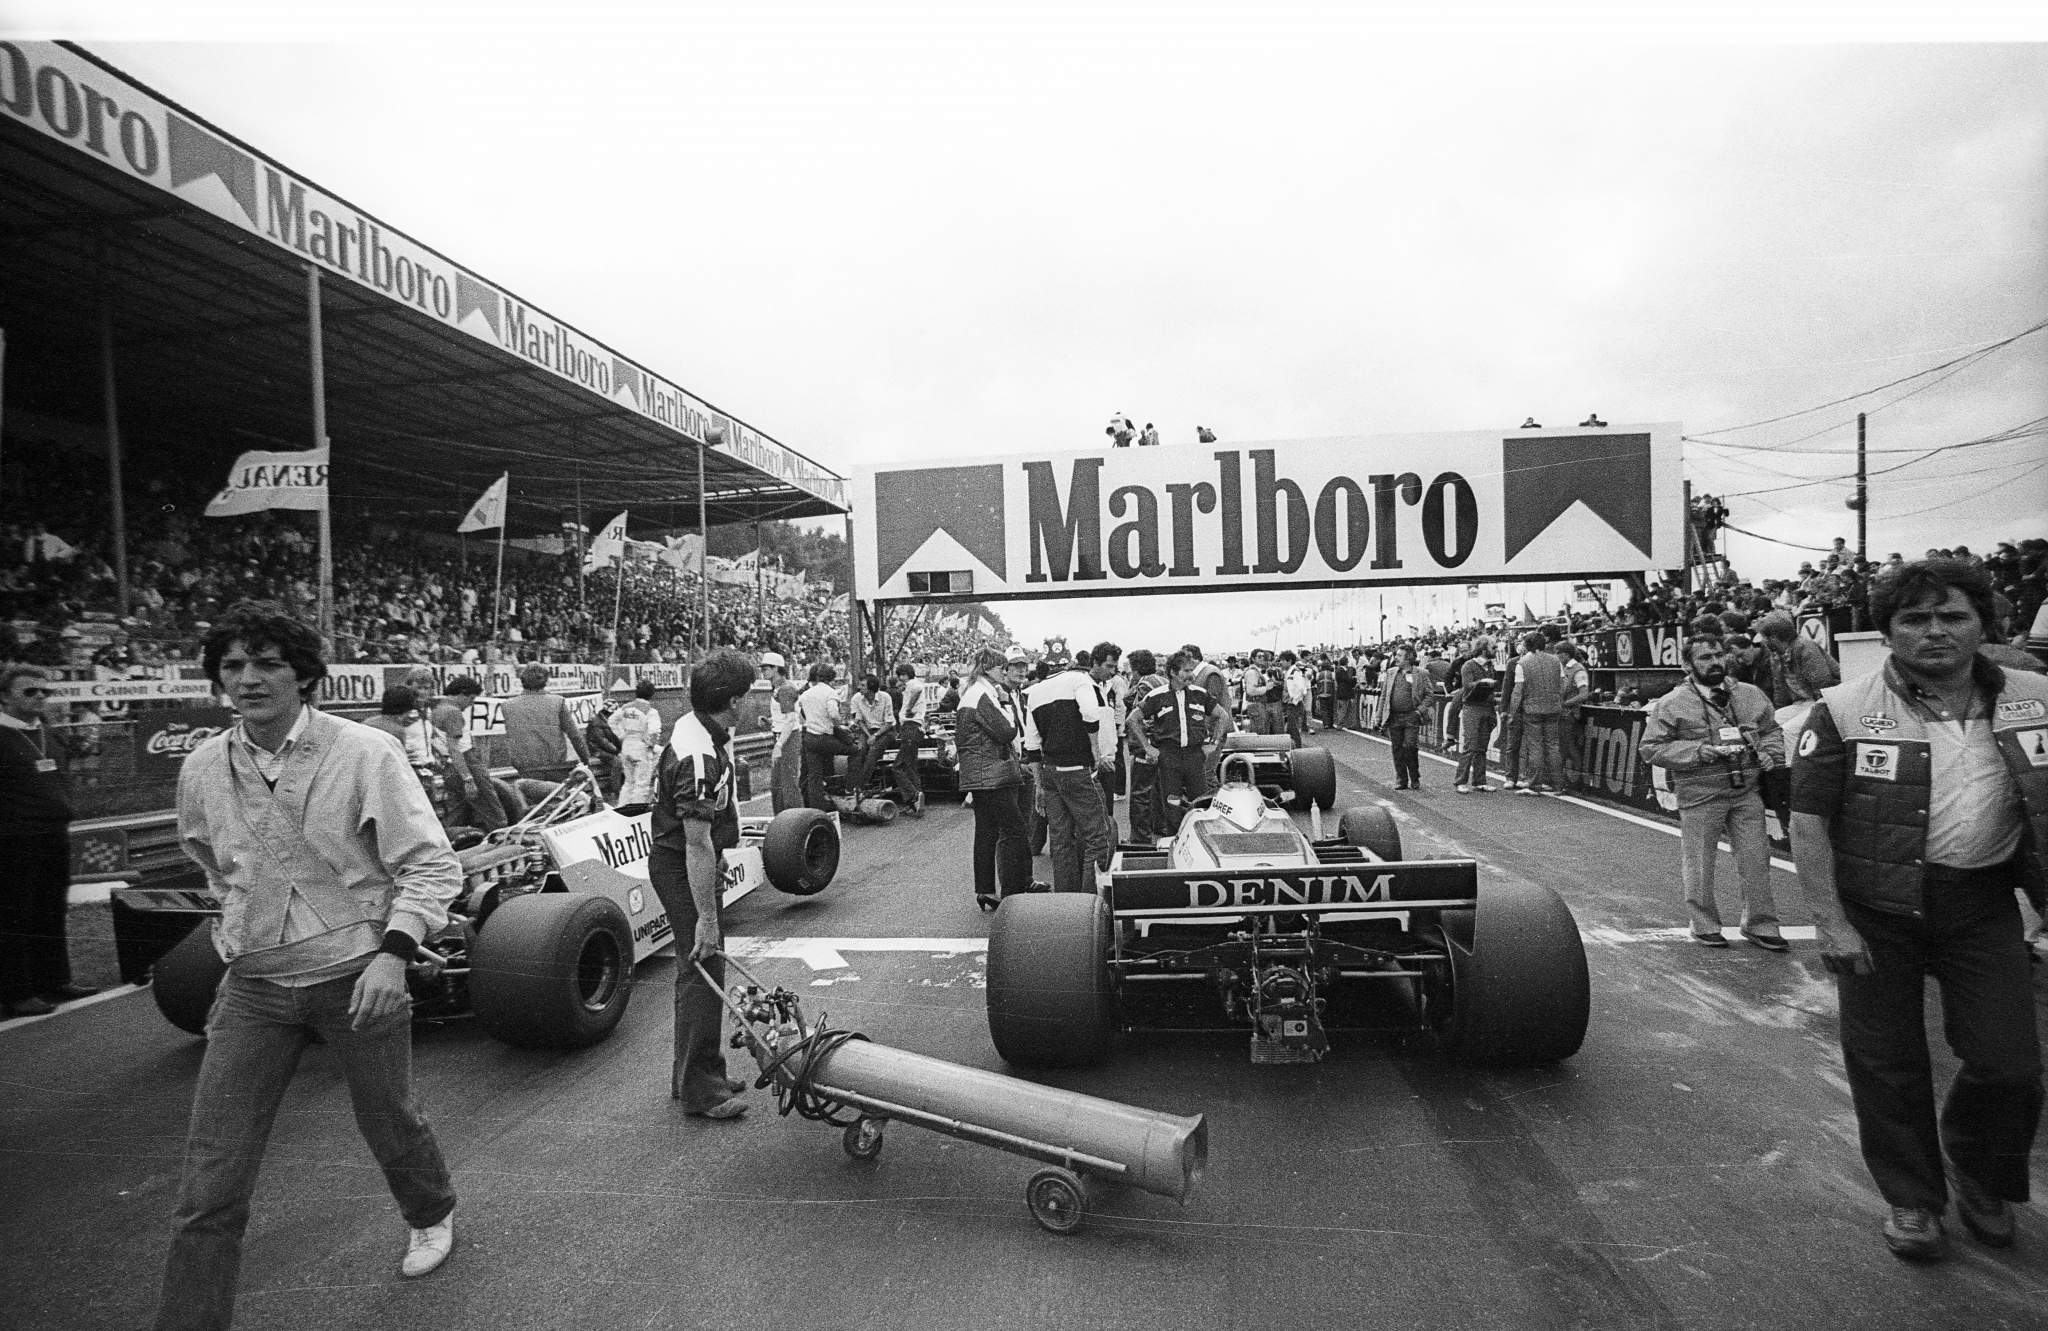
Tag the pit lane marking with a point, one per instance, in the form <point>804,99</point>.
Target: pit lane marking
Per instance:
<point>1621,814</point>
<point>823,954</point>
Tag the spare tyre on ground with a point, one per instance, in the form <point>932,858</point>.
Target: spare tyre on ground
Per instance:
<point>800,851</point>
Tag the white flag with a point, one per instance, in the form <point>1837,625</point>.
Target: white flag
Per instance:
<point>259,481</point>
<point>685,554</point>
<point>748,560</point>
<point>488,511</point>
<point>608,547</point>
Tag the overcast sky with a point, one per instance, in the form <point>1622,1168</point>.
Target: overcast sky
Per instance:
<point>941,232</point>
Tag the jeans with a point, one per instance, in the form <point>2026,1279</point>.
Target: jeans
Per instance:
<point>1476,727</point>
<point>1740,814</point>
<point>819,751</point>
<point>785,789</point>
<point>1145,818</point>
<point>1969,940</point>
<point>909,783</point>
<point>1572,740</point>
<point>1511,747</point>
<point>1542,751</point>
<point>697,1074</point>
<point>1076,827</point>
<point>253,1041</point>
<point>1002,840</point>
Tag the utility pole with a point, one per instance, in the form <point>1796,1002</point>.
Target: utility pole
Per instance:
<point>1862,504</point>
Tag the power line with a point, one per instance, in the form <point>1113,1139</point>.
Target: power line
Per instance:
<point>1918,374</point>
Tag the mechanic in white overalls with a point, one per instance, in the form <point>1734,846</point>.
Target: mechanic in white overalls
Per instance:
<point>638,726</point>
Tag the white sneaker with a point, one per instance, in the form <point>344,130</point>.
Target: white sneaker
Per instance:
<point>428,1247</point>
<point>1462,790</point>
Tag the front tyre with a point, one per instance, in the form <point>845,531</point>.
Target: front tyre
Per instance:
<point>1313,773</point>
<point>552,970</point>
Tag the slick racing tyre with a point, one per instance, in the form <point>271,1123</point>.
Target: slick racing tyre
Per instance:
<point>800,851</point>
<point>552,970</point>
<point>183,980</point>
<point>1313,773</point>
<point>1519,992</point>
<point>1373,829</point>
<point>1050,1002</point>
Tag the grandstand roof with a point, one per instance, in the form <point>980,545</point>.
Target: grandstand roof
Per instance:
<point>436,379</point>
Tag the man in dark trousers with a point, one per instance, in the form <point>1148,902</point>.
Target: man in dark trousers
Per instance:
<point>1065,720</point>
<point>693,819</point>
<point>1919,803</point>
<point>331,869</point>
<point>1180,724</point>
<point>35,824</point>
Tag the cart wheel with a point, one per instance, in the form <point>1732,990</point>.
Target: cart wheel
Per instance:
<point>863,1138</point>
<point>1058,1199</point>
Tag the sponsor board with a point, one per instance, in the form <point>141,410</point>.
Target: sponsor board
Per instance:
<point>1311,888</point>
<point>130,690</point>
<point>1486,506</point>
<point>163,740</point>
<point>65,95</point>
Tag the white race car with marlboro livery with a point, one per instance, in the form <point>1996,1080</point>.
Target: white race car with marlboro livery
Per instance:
<point>1245,920</point>
<point>555,913</point>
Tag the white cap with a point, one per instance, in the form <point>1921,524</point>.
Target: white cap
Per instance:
<point>774,659</point>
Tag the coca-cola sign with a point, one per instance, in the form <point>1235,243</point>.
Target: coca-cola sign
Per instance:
<point>163,740</point>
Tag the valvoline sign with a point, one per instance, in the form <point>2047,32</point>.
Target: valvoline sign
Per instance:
<point>1465,507</point>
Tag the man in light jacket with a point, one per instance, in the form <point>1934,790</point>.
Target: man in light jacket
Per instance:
<point>331,869</point>
<point>1717,737</point>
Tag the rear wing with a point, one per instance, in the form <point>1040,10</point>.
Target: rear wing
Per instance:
<point>1309,889</point>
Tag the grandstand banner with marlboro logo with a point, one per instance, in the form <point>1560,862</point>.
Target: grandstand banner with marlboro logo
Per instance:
<point>1478,506</point>
<point>88,107</point>
<point>260,481</point>
<point>163,740</point>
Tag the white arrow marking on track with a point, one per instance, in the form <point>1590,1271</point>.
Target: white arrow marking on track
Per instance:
<point>823,954</point>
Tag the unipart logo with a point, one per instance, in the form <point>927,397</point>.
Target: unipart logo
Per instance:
<point>179,739</point>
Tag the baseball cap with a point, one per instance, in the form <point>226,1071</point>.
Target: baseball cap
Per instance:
<point>774,659</point>
<point>1016,656</point>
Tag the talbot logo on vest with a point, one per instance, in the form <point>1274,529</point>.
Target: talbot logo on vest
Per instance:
<point>1879,722</point>
<point>2022,709</point>
<point>1877,762</point>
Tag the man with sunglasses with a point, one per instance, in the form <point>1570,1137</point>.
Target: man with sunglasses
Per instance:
<point>35,825</point>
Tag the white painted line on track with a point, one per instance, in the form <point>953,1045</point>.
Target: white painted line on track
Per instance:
<point>1622,814</point>
<point>105,995</point>
<point>1601,933</point>
<point>822,954</point>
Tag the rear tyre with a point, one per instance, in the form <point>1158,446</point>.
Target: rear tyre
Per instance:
<point>1314,774</point>
<point>184,980</point>
<point>800,851</point>
<point>1519,991</point>
<point>552,970</point>
<point>1050,1002</point>
<point>1373,829</point>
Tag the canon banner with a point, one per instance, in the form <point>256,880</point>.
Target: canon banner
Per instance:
<point>99,112</point>
<point>1468,507</point>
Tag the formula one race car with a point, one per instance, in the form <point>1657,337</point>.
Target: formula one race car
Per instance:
<point>938,759</point>
<point>1281,772</point>
<point>1247,921</point>
<point>555,913</point>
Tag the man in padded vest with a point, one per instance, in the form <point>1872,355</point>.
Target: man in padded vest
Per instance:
<point>1919,803</point>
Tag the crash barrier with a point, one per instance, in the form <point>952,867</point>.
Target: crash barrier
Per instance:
<point>842,1079</point>
<point>1650,658</point>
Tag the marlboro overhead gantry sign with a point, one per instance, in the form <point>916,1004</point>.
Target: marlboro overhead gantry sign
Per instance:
<point>1503,506</point>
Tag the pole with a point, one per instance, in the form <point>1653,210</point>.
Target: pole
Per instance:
<point>1691,538</point>
<point>116,501</point>
<point>1862,496</point>
<point>853,644</point>
<point>760,592</point>
<point>498,591</point>
<point>318,356</point>
<point>618,597</point>
<point>582,602</point>
<point>704,570</point>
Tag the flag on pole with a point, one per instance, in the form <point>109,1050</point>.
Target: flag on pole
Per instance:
<point>260,481</point>
<point>608,546</point>
<point>748,560</point>
<point>488,511</point>
<point>685,554</point>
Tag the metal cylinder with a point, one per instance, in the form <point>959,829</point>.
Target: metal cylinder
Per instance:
<point>1160,1153</point>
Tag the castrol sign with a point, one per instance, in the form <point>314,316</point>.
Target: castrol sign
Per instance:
<point>163,740</point>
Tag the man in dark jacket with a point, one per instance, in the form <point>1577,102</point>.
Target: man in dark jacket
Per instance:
<point>35,822</point>
<point>1919,803</point>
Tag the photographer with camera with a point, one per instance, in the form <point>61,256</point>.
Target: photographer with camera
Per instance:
<point>1717,737</point>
